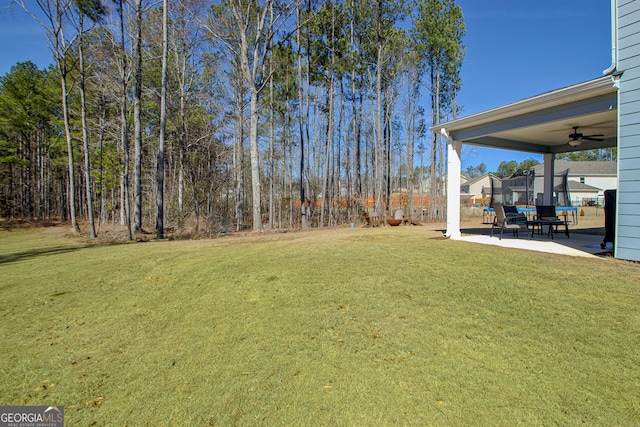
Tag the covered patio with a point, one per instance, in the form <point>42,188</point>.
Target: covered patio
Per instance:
<point>540,125</point>
<point>585,238</point>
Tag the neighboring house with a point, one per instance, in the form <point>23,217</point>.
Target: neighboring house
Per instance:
<point>553,123</point>
<point>583,194</point>
<point>476,188</point>
<point>424,184</point>
<point>515,187</point>
<point>586,179</point>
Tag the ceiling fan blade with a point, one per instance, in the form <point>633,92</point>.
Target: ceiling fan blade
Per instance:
<point>576,138</point>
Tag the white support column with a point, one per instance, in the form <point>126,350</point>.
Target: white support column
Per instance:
<point>549,172</point>
<point>453,186</point>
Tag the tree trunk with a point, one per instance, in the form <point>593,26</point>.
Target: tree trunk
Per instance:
<point>137,124</point>
<point>125,216</point>
<point>388,136</point>
<point>330,125</point>
<point>238,158</point>
<point>304,211</point>
<point>271,137</point>
<point>411,126</point>
<point>327,148</point>
<point>163,127</point>
<point>356,122</point>
<point>85,134</point>
<point>379,176</point>
<point>103,200</point>
<point>67,132</point>
<point>255,161</point>
<point>434,147</point>
<point>250,68</point>
<point>438,150</point>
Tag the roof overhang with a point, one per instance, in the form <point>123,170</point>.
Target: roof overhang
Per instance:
<point>541,124</point>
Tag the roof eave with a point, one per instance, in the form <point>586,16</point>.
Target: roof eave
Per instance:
<point>578,92</point>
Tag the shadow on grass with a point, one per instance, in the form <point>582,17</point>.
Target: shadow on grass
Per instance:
<point>21,256</point>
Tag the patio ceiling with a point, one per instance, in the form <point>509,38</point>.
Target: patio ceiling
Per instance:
<point>541,124</point>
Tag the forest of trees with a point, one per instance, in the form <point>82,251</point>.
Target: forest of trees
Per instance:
<point>219,116</point>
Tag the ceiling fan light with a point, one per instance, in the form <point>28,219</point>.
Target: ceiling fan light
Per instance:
<point>575,142</point>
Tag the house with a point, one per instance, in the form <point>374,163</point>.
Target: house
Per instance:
<point>585,195</point>
<point>585,182</point>
<point>476,189</point>
<point>540,124</point>
<point>516,187</point>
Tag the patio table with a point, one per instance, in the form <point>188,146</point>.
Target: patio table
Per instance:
<point>572,209</point>
<point>551,222</point>
<point>487,213</point>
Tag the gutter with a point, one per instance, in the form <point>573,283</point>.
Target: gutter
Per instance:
<point>614,39</point>
<point>446,135</point>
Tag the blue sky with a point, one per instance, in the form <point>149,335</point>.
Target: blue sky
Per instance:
<point>21,38</point>
<point>515,49</point>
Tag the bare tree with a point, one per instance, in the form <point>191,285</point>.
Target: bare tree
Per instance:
<point>163,127</point>
<point>303,123</point>
<point>438,30</point>
<point>330,94</point>
<point>94,10</point>
<point>253,49</point>
<point>56,12</point>
<point>254,25</point>
<point>137,122</point>
<point>125,216</point>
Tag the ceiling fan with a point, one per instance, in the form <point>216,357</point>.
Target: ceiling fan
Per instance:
<point>577,138</point>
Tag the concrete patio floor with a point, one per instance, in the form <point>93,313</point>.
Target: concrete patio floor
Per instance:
<point>583,241</point>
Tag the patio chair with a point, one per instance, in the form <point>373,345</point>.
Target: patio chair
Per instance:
<point>514,221</point>
<point>399,214</point>
<point>370,222</point>
<point>414,218</point>
<point>546,215</point>
<point>510,210</point>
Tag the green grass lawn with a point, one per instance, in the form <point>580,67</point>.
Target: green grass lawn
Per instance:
<point>340,327</point>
